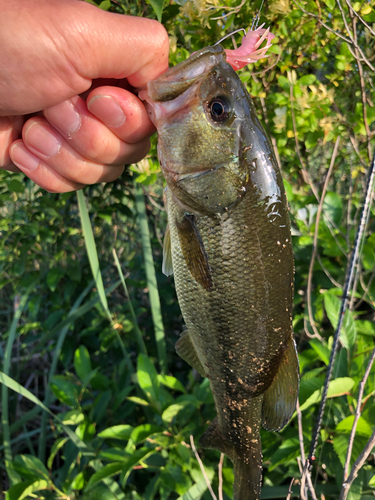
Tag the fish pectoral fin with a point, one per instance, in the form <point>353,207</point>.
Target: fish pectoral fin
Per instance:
<point>186,350</point>
<point>279,400</point>
<point>194,252</point>
<point>167,267</point>
<point>213,439</point>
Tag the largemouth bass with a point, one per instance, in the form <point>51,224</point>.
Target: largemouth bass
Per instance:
<point>229,245</point>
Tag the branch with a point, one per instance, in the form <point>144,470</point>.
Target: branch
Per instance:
<point>202,468</point>
<point>357,466</point>
<point>356,417</point>
<point>315,241</point>
<point>221,476</point>
<point>305,471</point>
<point>360,18</point>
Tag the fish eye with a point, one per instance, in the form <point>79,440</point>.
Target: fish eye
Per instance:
<point>219,109</point>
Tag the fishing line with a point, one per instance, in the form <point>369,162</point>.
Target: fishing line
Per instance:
<point>344,304</point>
<point>257,17</point>
<point>253,25</point>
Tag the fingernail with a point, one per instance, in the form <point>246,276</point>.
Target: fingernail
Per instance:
<point>107,110</point>
<point>23,159</point>
<point>64,116</point>
<point>41,139</point>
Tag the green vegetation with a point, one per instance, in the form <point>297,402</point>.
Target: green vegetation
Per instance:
<point>95,402</point>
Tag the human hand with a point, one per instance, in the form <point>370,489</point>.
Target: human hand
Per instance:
<point>67,117</point>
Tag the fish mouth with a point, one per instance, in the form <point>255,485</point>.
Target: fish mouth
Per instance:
<point>172,89</point>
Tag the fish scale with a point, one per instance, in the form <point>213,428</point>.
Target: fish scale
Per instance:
<point>229,247</point>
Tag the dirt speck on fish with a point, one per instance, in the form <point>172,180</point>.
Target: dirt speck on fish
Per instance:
<point>229,246</point>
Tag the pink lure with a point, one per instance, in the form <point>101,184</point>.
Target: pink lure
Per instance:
<point>250,50</point>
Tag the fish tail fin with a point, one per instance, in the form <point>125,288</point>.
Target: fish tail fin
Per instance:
<point>248,473</point>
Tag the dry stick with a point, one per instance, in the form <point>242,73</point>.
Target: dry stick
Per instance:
<point>290,491</point>
<point>357,466</point>
<point>315,241</point>
<point>305,476</point>
<point>356,418</point>
<point>221,476</point>
<point>326,272</point>
<point>202,468</point>
<point>344,303</point>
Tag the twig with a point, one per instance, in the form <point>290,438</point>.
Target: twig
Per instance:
<point>220,471</point>
<point>202,468</point>
<point>327,273</point>
<point>357,466</point>
<point>360,18</point>
<point>290,491</point>
<point>344,303</point>
<point>357,415</point>
<point>315,241</point>
<point>305,476</point>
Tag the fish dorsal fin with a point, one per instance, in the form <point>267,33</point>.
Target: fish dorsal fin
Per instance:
<point>279,400</point>
<point>186,350</point>
<point>167,267</point>
<point>194,252</point>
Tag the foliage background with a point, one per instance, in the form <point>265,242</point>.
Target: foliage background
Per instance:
<point>123,404</point>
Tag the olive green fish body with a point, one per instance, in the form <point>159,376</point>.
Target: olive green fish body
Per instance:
<point>229,245</point>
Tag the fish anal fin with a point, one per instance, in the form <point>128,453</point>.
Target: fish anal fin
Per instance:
<point>186,350</point>
<point>167,253</point>
<point>279,400</point>
<point>213,439</point>
<point>194,252</point>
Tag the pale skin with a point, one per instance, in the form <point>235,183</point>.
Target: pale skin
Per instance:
<point>67,116</point>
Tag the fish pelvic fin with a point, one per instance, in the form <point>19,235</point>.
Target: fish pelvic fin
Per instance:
<point>186,350</point>
<point>167,267</point>
<point>280,399</point>
<point>214,439</point>
<point>248,472</point>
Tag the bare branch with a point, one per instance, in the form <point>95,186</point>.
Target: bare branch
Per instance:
<point>202,468</point>
<point>315,241</point>
<point>305,476</point>
<point>290,491</point>
<point>357,415</point>
<point>221,476</point>
<point>357,466</point>
<point>360,18</point>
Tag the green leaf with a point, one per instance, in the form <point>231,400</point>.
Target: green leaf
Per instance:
<point>157,5</point>
<point>78,482</point>
<point>363,427</point>
<point>307,79</point>
<point>54,277</point>
<point>172,411</point>
<point>171,382</point>
<point>16,186</point>
<point>142,432</point>
<point>330,4</point>
<point>288,450</point>
<point>57,445</point>
<point>337,387</point>
<point>332,207</point>
<point>103,473</point>
<point>138,401</point>
<point>117,432</point>
<point>348,333</point>
<point>30,467</point>
<point>321,349</point>
<point>82,363</point>
<point>25,489</point>
<point>148,378</point>
<point>66,391</point>
<point>365,327</point>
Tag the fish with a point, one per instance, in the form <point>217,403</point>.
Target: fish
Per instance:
<point>228,244</point>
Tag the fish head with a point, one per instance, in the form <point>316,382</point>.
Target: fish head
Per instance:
<point>208,132</point>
